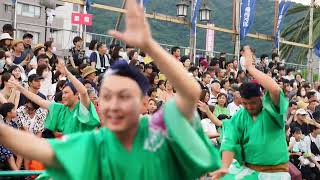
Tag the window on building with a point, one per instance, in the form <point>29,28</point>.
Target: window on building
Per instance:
<point>7,8</point>
<point>74,28</point>
<point>28,10</point>
<point>36,35</point>
<point>76,7</point>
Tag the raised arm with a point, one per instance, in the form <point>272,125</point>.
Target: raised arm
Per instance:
<point>33,97</point>
<point>82,90</point>
<point>27,145</point>
<point>267,82</point>
<point>138,34</point>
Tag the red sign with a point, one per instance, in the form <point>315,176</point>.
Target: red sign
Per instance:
<point>76,18</point>
<point>87,19</point>
<point>83,19</point>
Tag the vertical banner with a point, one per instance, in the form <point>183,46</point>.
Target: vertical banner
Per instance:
<point>246,17</point>
<point>283,8</point>
<point>210,39</point>
<point>195,15</point>
<point>317,47</point>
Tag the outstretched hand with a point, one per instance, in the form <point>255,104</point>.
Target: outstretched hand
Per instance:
<point>137,32</point>
<point>248,55</point>
<point>61,67</point>
<point>219,173</point>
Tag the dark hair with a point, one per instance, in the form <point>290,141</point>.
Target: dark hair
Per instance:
<point>228,62</point>
<point>42,56</point>
<point>263,56</point>
<point>12,68</point>
<point>193,68</point>
<point>223,94</point>
<point>249,90</point>
<point>131,54</point>
<point>311,94</point>
<point>291,103</point>
<point>205,74</point>
<point>48,44</point>
<point>92,44</point>
<point>160,83</point>
<point>151,90</point>
<point>41,68</point>
<point>100,44</point>
<point>223,82</point>
<point>152,77</point>
<point>174,49</point>
<point>76,39</point>
<point>58,97</point>
<point>274,55</point>
<point>5,78</point>
<point>115,53</point>
<point>5,108</point>
<point>2,54</point>
<point>299,91</point>
<point>296,130</point>
<point>34,105</point>
<point>60,85</point>
<point>214,62</point>
<point>203,94</point>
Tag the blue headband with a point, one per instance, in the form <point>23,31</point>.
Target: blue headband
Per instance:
<point>122,68</point>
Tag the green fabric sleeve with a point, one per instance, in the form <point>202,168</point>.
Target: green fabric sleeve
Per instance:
<point>88,116</point>
<point>278,113</point>
<point>53,121</point>
<point>77,156</point>
<point>191,146</point>
<point>230,139</point>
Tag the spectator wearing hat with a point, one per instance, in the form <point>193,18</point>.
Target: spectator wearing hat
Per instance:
<point>5,42</point>
<point>8,28</point>
<point>27,41</point>
<point>18,58</point>
<point>99,59</point>
<point>37,50</point>
<point>300,122</point>
<point>89,73</point>
<point>34,85</point>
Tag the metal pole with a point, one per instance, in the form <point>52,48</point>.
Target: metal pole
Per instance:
<point>119,20</point>
<point>237,28</point>
<point>192,40</point>
<point>15,19</point>
<point>310,61</point>
<point>84,33</point>
<point>275,21</point>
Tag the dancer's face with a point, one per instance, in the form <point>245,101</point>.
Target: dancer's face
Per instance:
<point>120,103</point>
<point>252,105</point>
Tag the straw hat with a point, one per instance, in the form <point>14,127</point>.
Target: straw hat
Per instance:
<point>15,42</point>
<point>5,36</point>
<point>38,46</point>
<point>87,71</point>
<point>302,105</point>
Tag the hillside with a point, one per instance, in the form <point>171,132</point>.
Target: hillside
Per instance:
<point>170,33</point>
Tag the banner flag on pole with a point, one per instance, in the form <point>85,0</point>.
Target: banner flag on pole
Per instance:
<point>195,15</point>
<point>88,4</point>
<point>317,48</point>
<point>145,2</point>
<point>246,17</point>
<point>283,8</point>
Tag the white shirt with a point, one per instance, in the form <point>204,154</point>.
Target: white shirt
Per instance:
<point>298,146</point>
<point>308,139</point>
<point>212,100</point>
<point>242,62</point>
<point>208,127</point>
<point>233,108</point>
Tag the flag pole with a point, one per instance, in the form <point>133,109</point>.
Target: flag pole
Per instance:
<point>310,59</point>
<point>275,21</point>
<point>15,18</point>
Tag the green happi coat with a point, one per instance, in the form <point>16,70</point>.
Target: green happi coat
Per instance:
<point>257,142</point>
<point>166,146</point>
